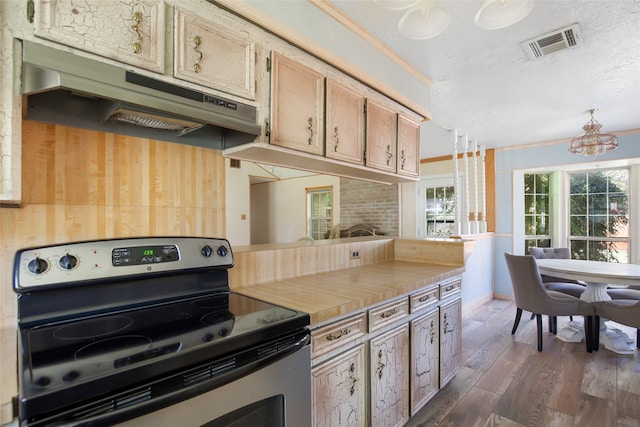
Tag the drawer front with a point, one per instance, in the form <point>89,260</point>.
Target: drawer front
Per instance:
<point>449,288</point>
<point>388,313</point>
<point>424,298</point>
<point>337,334</point>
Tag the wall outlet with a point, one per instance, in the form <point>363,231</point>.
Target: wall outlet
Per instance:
<point>355,255</point>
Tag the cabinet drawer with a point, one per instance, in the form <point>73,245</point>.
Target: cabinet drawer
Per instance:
<point>337,334</point>
<point>424,298</point>
<point>388,313</point>
<point>449,288</point>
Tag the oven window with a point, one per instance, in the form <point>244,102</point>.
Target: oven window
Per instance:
<point>265,413</point>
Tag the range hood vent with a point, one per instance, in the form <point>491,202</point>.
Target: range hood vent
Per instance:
<point>62,88</point>
<point>565,38</point>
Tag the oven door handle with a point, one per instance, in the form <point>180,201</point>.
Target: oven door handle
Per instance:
<point>175,396</point>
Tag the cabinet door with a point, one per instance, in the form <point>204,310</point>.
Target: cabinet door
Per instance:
<point>297,106</point>
<point>450,341</point>
<point>408,147</point>
<point>345,124</point>
<point>381,137</point>
<point>389,361</point>
<point>127,31</point>
<point>425,360</point>
<point>339,390</point>
<point>214,55</point>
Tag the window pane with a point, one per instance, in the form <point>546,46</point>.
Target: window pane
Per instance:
<point>542,204</point>
<point>529,183</point>
<point>578,249</point>
<point>578,225</point>
<point>542,225</point>
<point>578,204</point>
<point>598,226</point>
<point>529,225</point>
<point>529,204</point>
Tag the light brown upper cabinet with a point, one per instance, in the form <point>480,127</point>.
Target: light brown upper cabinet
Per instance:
<point>297,105</point>
<point>345,123</point>
<point>408,147</point>
<point>214,55</point>
<point>381,125</point>
<point>132,33</point>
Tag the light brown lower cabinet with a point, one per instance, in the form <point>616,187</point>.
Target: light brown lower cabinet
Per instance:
<point>339,390</point>
<point>425,359</point>
<point>381,378</point>
<point>389,373</point>
<point>450,340</point>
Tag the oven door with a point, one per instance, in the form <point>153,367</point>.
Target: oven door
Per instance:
<point>277,395</point>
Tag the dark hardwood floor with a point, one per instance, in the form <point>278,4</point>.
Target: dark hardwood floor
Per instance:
<point>505,382</point>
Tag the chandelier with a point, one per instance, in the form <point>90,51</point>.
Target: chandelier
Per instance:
<point>425,19</point>
<point>593,142</point>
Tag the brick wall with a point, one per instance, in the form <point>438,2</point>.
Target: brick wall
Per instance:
<point>366,202</point>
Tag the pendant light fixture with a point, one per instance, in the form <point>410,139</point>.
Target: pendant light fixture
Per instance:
<point>593,143</point>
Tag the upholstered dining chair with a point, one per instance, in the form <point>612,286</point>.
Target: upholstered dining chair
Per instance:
<point>626,312</point>
<point>531,295</point>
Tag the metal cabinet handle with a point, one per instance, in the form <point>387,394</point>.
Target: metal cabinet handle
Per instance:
<point>432,332</point>
<point>389,155</point>
<point>403,159</point>
<point>196,48</point>
<point>449,288</point>
<point>445,326</point>
<point>310,129</point>
<point>424,298</point>
<point>137,45</point>
<point>342,333</point>
<point>389,313</point>
<point>335,138</point>
<point>353,378</point>
<point>381,365</point>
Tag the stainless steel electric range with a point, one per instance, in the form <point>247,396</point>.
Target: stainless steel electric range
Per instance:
<point>146,330</point>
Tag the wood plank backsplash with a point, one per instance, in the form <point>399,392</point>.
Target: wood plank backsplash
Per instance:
<point>81,185</point>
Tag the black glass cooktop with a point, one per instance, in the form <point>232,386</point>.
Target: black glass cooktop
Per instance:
<point>63,354</point>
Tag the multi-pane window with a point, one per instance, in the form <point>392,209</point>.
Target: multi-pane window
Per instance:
<point>536,211</point>
<point>599,215</point>
<point>439,210</point>
<point>319,212</point>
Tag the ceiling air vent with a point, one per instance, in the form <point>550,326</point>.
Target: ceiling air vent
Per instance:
<point>564,38</point>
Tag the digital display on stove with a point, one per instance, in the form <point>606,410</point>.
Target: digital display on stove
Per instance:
<point>140,255</point>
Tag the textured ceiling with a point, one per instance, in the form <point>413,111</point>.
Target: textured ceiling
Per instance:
<point>485,86</point>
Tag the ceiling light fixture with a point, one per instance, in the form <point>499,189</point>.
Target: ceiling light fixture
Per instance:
<point>593,142</point>
<point>425,19</point>
<point>496,14</point>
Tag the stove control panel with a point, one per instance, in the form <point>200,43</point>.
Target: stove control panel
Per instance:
<point>59,265</point>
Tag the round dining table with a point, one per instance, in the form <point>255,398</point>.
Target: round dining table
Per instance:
<point>597,276</point>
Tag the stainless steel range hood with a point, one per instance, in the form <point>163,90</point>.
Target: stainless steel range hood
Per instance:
<point>63,88</point>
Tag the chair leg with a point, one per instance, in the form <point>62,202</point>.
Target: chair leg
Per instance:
<point>588,333</point>
<point>533,315</point>
<point>638,338</point>
<point>517,321</point>
<point>539,327</point>
<point>595,343</point>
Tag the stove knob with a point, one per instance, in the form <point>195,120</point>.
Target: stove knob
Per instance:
<point>223,332</point>
<point>43,381</point>
<point>70,376</point>
<point>207,251</point>
<point>222,251</point>
<point>68,262</point>
<point>37,266</point>
<point>207,338</point>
